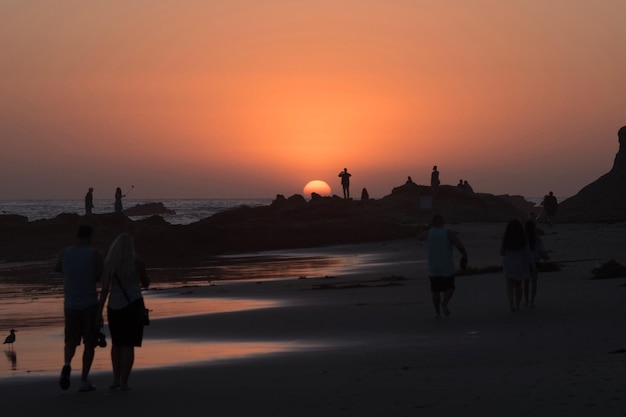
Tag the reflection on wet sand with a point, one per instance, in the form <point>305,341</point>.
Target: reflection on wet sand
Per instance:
<point>255,267</point>
<point>34,304</point>
<point>162,307</point>
<point>41,347</point>
<point>158,353</point>
<point>34,295</point>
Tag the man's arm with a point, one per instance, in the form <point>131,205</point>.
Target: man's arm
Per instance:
<point>98,264</point>
<point>58,267</point>
<point>454,238</point>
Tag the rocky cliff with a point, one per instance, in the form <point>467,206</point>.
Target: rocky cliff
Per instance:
<point>604,200</point>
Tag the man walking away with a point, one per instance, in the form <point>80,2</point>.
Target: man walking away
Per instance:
<point>81,265</point>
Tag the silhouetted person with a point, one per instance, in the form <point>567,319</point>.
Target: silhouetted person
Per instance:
<point>460,184</point>
<point>409,180</point>
<point>550,204</point>
<point>517,261</point>
<point>124,275</point>
<point>81,266</point>
<point>345,182</point>
<point>89,201</point>
<point>365,195</point>
<point>441,269</point>
<point>539,253</point>
<point>118,200</point>
<point>467,187</point>
<point>434,177</point>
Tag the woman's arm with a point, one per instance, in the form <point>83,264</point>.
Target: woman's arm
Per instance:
<point>104,293</point>
<point>143,274</point>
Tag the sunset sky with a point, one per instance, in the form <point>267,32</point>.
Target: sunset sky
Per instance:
<point>247,98</point>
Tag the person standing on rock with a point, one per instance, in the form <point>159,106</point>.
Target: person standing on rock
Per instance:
<point>118,200</point>
<point>434,177</point>
<point>441,269</point>
<point>345,182</point>
<point>89,201</point>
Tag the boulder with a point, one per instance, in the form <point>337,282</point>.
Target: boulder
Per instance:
<point>148,209</point>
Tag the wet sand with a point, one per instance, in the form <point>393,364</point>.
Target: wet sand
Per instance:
<point>364,342</point>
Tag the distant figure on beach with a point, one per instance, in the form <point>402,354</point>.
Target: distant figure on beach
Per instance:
<point>517,262</point>
<point>460,184</point>
<point>539,253</point>
<point>365,195</point>
<point>550,204</point>
<point>409,180</point>
<point>81,266</point>
<point>345,182</point>
<point>467,187</point>
<point>434,177</point>
<point>89,201</point>
<point>118,200</point>
<point>441,269</point>
<point>123,277</point>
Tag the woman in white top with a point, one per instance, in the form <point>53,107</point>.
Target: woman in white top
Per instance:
<point>124,275</point>
<point>517,261</point>
<point>539,253</point>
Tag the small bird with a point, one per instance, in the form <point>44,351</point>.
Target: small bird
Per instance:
<point>10,338</point>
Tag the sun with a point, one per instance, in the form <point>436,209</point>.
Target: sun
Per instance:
<point>317,186</point>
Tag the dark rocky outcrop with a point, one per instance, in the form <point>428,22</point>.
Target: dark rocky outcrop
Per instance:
<point>286,223</point>
<point>148,209</point>
<point>604,200</point>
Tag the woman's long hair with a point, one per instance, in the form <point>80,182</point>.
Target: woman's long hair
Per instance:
<point>531,233</point>
<point>120,260</point>
<point>514,236</point>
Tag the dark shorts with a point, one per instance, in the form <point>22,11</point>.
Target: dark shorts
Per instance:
<point>441,284</point>
<point>81,324</point>
<point>124,330</point>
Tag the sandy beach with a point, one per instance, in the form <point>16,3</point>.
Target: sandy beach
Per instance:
<point>360,339</point>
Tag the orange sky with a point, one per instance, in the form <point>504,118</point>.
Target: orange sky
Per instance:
<point>216,99</point>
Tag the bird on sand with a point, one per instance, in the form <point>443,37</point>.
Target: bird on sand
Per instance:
<point>10,338</point>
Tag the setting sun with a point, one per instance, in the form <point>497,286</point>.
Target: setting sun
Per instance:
<point>317,186</point>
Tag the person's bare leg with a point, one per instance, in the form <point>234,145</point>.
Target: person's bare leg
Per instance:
<point>437,303</point>
<point>127,358</point>
<point>526,291</point>
<point>88,355</point>
<point>447,295</point>
<point>533,291</point>
<point>115,362</point>
<point>518,294</point>
<point>509,292</point>
<point>69,352</point>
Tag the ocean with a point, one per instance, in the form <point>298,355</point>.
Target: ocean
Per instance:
<point>187,210</point>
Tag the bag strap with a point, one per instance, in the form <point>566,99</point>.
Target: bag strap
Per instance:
<point>122,287</point>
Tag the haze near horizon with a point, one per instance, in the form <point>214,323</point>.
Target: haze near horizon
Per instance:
<point>252,99</point>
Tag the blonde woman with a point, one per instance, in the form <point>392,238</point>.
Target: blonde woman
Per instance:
<point>123,277</point>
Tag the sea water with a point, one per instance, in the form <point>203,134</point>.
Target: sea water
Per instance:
<point>187,210</point>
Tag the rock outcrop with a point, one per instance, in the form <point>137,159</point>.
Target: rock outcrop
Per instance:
<point>148,209</point>
<point>604,200</point>
<point>285,223</point>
